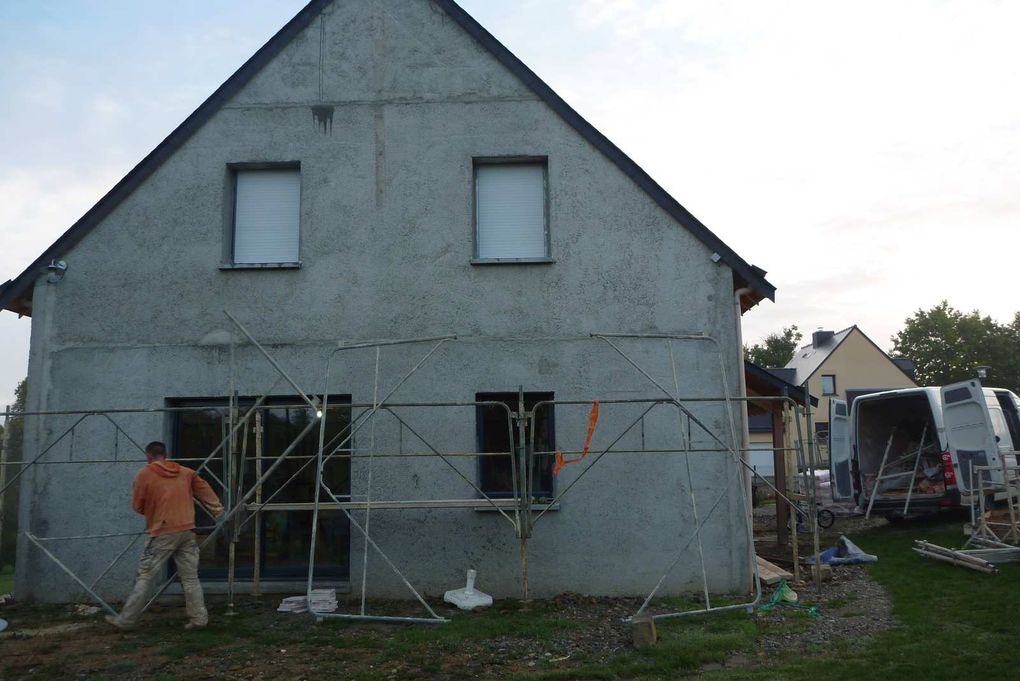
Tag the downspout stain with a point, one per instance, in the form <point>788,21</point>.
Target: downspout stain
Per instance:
<point>323,117</point>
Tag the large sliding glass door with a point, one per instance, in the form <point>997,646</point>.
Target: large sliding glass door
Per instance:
<point>284,534</point>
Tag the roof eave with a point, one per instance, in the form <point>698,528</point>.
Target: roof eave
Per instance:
<point>744,273</point>
<point>14,294</point>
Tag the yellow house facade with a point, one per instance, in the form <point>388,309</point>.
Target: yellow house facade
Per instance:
<point>845,365</point>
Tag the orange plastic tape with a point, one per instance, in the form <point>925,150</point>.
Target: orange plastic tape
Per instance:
<point>593,418</point>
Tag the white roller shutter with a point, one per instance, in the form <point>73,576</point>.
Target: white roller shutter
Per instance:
<point>510,210</point>
<point>266,216</point>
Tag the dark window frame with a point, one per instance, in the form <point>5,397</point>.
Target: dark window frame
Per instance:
<point>230,214</point>
<point>244,568</point>
<point>480,161</point>
<point>543,481</point>
<point>834,388</point>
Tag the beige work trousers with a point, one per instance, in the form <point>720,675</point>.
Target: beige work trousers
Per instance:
<point>184,549</point>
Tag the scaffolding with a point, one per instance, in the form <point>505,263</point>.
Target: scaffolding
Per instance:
<point>245,501</point>
<point>984,524</point>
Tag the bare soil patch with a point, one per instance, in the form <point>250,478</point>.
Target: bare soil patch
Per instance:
<point>564,637</point>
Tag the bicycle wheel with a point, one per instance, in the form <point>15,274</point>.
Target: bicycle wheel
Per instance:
<point>826,518</point>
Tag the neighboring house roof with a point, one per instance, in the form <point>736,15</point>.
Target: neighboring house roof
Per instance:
<point>810,358</point>
<point>783,374</point>
<point>16,294</point>
<point>759,423</point>
<point>807,360</point>
<point>906,366</point>
<point>769,382</point>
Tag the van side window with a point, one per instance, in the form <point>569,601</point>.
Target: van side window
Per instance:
<point>958,395</point>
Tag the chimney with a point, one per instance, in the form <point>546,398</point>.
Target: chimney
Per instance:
<point>820,338</point>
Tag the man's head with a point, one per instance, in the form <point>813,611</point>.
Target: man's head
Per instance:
<point>155,451</point>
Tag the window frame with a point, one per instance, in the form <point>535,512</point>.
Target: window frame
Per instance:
<point>230,214</point>
<point>834,389</point>
<point>535,397</point>
<point>479,161</point>
<point>213,573</point>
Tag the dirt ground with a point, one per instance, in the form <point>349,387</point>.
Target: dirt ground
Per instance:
<point>512,639</point>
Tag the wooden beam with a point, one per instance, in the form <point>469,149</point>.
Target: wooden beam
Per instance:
<point>779,465</point>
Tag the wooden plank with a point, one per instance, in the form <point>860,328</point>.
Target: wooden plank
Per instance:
<point>771,574</point>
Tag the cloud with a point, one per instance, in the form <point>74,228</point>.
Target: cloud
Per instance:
<point>867,155</point>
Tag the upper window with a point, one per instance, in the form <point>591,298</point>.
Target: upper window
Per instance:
<point>267,208</point>
<point>828,384</point>
<point>511,214</point>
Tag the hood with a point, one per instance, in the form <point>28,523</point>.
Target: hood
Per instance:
<point>166,469</point>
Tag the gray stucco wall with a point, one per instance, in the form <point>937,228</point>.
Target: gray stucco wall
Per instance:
<point>386,244</point>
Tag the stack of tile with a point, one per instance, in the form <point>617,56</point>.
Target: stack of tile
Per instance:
<point>295,604</point>
<point>322,600</point>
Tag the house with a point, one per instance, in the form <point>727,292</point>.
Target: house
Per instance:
<point>770,426</point>
<point>389,170</point>
<point>844,365</point>
<point>772,435</point>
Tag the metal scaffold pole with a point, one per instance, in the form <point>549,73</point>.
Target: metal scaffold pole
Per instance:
<point>5,448</point>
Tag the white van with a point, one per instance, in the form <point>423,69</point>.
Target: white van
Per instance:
<point>914,449</point>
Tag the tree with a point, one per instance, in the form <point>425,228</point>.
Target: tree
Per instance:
<point>947,345</point>
<point>10,506</point>
<point>776,350</point>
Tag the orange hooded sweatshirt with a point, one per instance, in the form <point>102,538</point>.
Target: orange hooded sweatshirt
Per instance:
<point>164,493</point>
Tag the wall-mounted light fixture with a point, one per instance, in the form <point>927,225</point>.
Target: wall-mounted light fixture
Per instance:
<point>56,268</point>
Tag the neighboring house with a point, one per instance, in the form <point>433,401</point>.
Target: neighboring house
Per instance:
<point>844,365</point>
<point>772,434</point>
<point>388,170</point>
<point>770,423</point>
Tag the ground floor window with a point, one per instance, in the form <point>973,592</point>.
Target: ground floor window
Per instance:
<point>284,536</point>
<point>495,435</point>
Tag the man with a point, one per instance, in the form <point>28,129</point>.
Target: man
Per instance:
<point>164,492</point>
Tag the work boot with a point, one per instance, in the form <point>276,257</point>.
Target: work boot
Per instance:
<point>116,621</point>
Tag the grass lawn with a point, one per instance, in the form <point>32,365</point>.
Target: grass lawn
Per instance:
<point>952,623</point>
<point>6,579</point>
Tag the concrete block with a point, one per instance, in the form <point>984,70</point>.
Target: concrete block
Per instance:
<point>642,630</point>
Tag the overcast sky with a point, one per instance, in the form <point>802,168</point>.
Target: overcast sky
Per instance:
<point>866,154</point>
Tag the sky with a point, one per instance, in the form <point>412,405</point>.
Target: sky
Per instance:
<point>866,154</point>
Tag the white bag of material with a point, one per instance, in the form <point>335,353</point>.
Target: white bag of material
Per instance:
<point>468,598</point>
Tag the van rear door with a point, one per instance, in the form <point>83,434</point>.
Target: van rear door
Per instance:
<point>968,430</point>
<point>839,450</point>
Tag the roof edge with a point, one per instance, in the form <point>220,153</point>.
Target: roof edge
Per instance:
<point>797,392</point>
<point>850,330</point>
<point>743,271</point>
<point>12,293</point>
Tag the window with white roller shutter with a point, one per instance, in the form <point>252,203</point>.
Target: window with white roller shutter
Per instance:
<point>510,211</point>
<point>267,208</point>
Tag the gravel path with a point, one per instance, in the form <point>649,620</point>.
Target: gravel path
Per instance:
<point>851,605</point>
